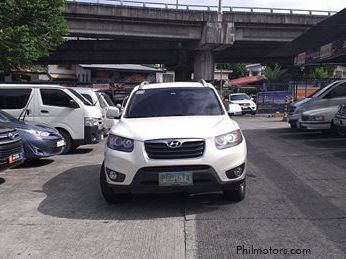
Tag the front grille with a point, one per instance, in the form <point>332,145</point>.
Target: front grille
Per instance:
<point>9,136</point>
<point>189,148</point>
<point>7,150</point>
<point>305,118</point>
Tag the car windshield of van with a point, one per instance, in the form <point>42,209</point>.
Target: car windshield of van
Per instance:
<point>323,90</point>
<point>5,117</point>
<point>108,99</point>
<point>166,102</point>
<point>238,97</point>
<point>85,101</point>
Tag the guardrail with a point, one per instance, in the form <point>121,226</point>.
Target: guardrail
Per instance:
<point>211,8</point>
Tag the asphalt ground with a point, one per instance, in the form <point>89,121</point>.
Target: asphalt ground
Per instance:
<point>296,199</point>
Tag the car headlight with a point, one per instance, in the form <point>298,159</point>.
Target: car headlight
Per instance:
<point>36,133</point>
<point>314,118</point>
<point>120,143</point>
<point>89,121</point>
<point>230,139</point>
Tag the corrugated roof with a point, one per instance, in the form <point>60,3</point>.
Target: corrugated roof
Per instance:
<point>123,67</point>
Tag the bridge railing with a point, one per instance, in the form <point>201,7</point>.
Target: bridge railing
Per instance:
<point>211,8</point>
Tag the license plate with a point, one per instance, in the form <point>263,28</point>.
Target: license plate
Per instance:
<point>60,143</point>
<point>15,157</point>
<point>175,179</point>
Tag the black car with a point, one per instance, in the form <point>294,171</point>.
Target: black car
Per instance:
<point>11,148</point>
<point>38,140</point>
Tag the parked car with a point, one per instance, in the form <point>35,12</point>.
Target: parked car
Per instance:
<point>331,95</point>
<point>11,148</point>
<point>38,140</point>
<point>318,119</point>
<point>59,107</point>
<point>174,137</point>
<point>339,120</point>
<point>246,102</point>
<point>101,101</point>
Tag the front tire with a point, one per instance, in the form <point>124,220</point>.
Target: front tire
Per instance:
<point>68,142</point>
<point>237,194</point>
<point>108,193</point>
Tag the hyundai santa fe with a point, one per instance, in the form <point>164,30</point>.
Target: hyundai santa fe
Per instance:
<point>174,137</point>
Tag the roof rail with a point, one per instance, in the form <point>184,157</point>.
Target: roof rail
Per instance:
<point>203,82</point>
<point>143,84</point>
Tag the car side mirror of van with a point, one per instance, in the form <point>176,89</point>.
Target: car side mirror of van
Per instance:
<point>73,104</point>
<point>118,106</point>
<point>113,113</point>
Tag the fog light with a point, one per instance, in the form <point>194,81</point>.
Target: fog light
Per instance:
<point>112,175</point>
<point>115,176</point>
<point>235,172</point>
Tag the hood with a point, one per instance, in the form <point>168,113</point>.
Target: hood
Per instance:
<point>322,111</point>
<point>5,128</point>
<point>242,101</point>
<point>31,125</point>
<point>174,127</point>
<point>301,102</point>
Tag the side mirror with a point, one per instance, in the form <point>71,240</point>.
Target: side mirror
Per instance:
<point>113,113</point>
<point>73,104</point>
<point>118,106</point>
<point>234,109</point>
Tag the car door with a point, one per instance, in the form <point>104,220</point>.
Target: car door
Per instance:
<point>55,110</point>
<point>16,100</point>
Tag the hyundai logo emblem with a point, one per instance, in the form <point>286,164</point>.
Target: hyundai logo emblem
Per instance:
<point>174,144</point>
<point>11,135</point>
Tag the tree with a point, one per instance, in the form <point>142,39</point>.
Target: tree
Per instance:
<point>29,30</point>
<point>276,74</point>
<point>322,73</point>
<point>238,69</point>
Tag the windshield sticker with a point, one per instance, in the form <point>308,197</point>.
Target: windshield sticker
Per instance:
<point>140,92</point>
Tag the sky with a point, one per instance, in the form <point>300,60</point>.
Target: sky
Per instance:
<point>325,5</point>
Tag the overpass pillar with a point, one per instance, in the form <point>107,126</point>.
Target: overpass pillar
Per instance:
<point>203,65</point>
<point>183,75</point>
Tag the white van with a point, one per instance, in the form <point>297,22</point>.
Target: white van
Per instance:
<point>101,101</point>
<point>332,95</point>
<point>77,120</point>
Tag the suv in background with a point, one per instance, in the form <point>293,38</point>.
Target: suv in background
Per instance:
<point>246,102</point>
<point>11,148</point>
<point>174,137</point>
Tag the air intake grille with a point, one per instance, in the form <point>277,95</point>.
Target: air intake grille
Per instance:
<point>175,148</point>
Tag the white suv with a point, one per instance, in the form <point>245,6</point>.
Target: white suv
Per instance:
<point>174,137</point>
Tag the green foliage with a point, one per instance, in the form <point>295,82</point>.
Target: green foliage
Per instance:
<point>322,73</point>
<point>29,30</point>
<point>275,74</point>
<point>238,69</point>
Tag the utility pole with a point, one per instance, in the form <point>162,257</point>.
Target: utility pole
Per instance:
<point>220,6</point>
<point>177,4</point>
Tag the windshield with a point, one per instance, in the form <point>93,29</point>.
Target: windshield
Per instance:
<point>107,99</point>
<point>238,97</point>
<point>163,102</point>
<point>5,117</point>
<point>85,101</point>
<point>321,91</point>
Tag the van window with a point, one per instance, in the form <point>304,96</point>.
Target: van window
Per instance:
<point>55,97</point>
<point>88,97</point>
<point>339,91</point>
<point>14,98</point>
<point>102,102</point>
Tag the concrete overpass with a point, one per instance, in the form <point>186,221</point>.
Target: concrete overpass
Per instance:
<point>184,40</point>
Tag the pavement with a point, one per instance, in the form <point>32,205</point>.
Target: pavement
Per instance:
<point>296,199</point>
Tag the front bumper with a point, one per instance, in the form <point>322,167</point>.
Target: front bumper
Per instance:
<point>314,125</point>
<point>339,125</point>
<point>40,148</point>
<point>214,162</point>
<point>6,151</point>
<point>92,135</point>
